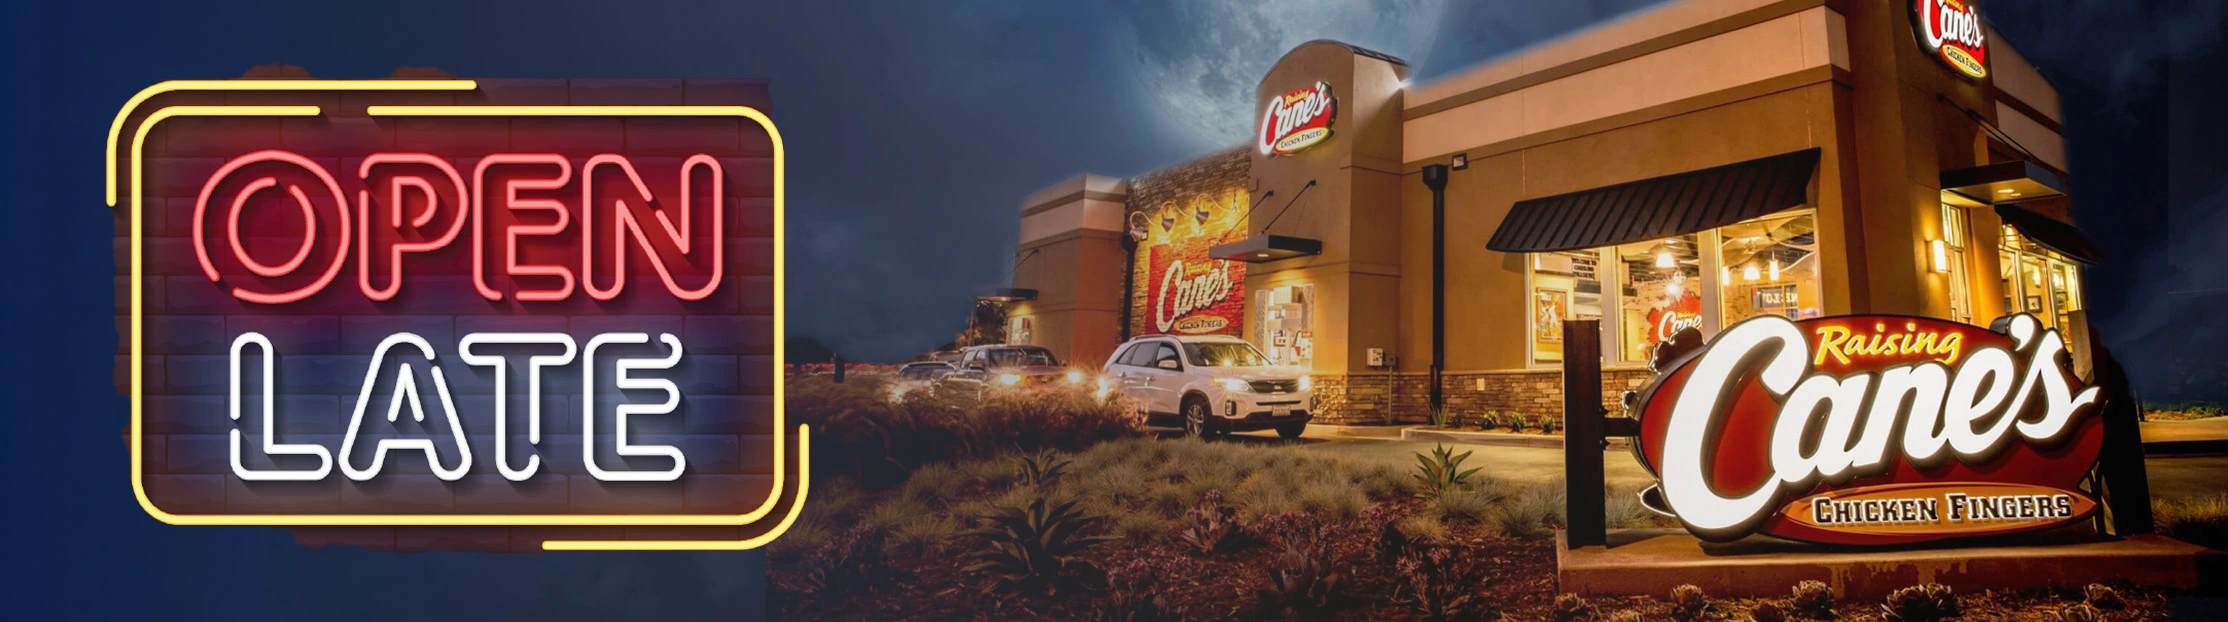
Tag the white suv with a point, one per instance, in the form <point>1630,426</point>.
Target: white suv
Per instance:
<point>1212,385</point>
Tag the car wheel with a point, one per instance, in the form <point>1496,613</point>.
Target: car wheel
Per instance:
<point>1195,419</point>
<point>1291,430</point>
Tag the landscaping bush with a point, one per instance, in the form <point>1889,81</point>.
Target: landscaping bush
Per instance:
<point>1135,592</point>
<point>851,560</point>
<point>2202,521</point>
<point>1688,601</point>
<point>1169,478</point>
<point>2182,411</point>
<point>1572,608</point>
<point>1033,548</point>
<point>1767,611</point>
<point>860,428</point>
<point>1309,570</point>
<point>1813,598</point>
<point>2102,597</point>
<point>1440,583</point>
<point>1212,526</point>
<point>1927,602</point>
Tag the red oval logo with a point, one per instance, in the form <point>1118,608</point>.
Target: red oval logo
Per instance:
<point>1774,411</point>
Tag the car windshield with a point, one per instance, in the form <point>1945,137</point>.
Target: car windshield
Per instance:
<point>921,370</point>
<point>1020,357</point>
<point>1224,354</point>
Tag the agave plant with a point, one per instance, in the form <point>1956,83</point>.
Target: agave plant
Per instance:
<point>1767,611</point>
<point>2080,612</point>
<point>1040,469</point>
<point>1213,528</point>
<point>1813,598</point>
<point>1033,548</point>
<point>1689,601</point>
<point>1308,574</point>
<point>1441,471</point>
<point>1922,603</point>
<point>1440,583</point>
<point>1572,607</point>
<point>2102,596</point>
<point>1134,592</point>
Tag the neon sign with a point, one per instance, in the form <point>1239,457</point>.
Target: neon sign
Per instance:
<point>1951,31</point>
<point>1297,120</point>
<point>453,307</point>
<point>1871,430</point>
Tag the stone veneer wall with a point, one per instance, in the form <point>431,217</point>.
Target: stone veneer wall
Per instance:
<point>1365,399</point>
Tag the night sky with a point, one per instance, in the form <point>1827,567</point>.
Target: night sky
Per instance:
<point>914,129</point>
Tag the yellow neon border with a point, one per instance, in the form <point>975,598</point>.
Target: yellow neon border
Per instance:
<point>137,309</point>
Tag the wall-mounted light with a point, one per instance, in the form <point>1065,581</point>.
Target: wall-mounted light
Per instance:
<point>1940,252</point>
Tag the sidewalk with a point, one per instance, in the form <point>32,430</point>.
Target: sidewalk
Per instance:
<point>2196,436</point>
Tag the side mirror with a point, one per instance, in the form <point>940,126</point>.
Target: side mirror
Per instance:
<point>1169,364</point>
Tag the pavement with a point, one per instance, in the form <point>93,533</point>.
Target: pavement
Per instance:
<point>2172,476</point>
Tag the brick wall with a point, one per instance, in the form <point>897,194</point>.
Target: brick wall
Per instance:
<point>1365,399</point>
<point>325,341</point>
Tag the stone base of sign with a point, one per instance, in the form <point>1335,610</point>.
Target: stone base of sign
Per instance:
<point>1653,561</point>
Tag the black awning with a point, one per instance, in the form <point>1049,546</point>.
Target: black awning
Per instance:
<point>1267,248</point>
<point>2017,180</point>
<point>2050,233</point>
<point>1006,294</point>
<point>1658,208</point>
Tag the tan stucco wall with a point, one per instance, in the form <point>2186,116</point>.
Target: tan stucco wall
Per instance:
<point>1352,208</point>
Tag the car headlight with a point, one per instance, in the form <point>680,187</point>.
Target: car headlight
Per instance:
<point>1306,384</point>
<point>1075,377</point>
<point>1009,379</point>
<point>1236,385</point>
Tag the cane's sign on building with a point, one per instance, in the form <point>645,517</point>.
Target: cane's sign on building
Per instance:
<point>1182,289</point>
<point>424,311</point>
<point>1297,120</point>
<point>1951,31</point>
<point>1871,430</point>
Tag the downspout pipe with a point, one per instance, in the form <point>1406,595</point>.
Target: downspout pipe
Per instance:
<point>1435,178</point>
<point>1129,280</point>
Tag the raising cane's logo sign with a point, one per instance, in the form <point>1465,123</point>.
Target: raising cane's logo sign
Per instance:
<point>1871,430</point>
<point>1951,31</point>
<point>1194,295</point>
<point>447,314</point>
<point>1297,120</point>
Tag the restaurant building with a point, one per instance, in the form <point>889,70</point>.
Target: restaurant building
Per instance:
<point>1692,165</point>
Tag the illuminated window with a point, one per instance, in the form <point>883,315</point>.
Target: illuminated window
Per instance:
<point>1769,266</point>
<point>1660,289</point>
<point>1647,291</point>
<point>1960,287</point>
<point>1565,286</point>
<point>2040,282</point>
<point>1286,330</point>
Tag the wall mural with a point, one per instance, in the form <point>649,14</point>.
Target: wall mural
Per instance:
<point>1186,291</point>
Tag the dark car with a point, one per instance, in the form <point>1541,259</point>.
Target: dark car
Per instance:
<point>1009,366</point>
<point>923,371</point>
